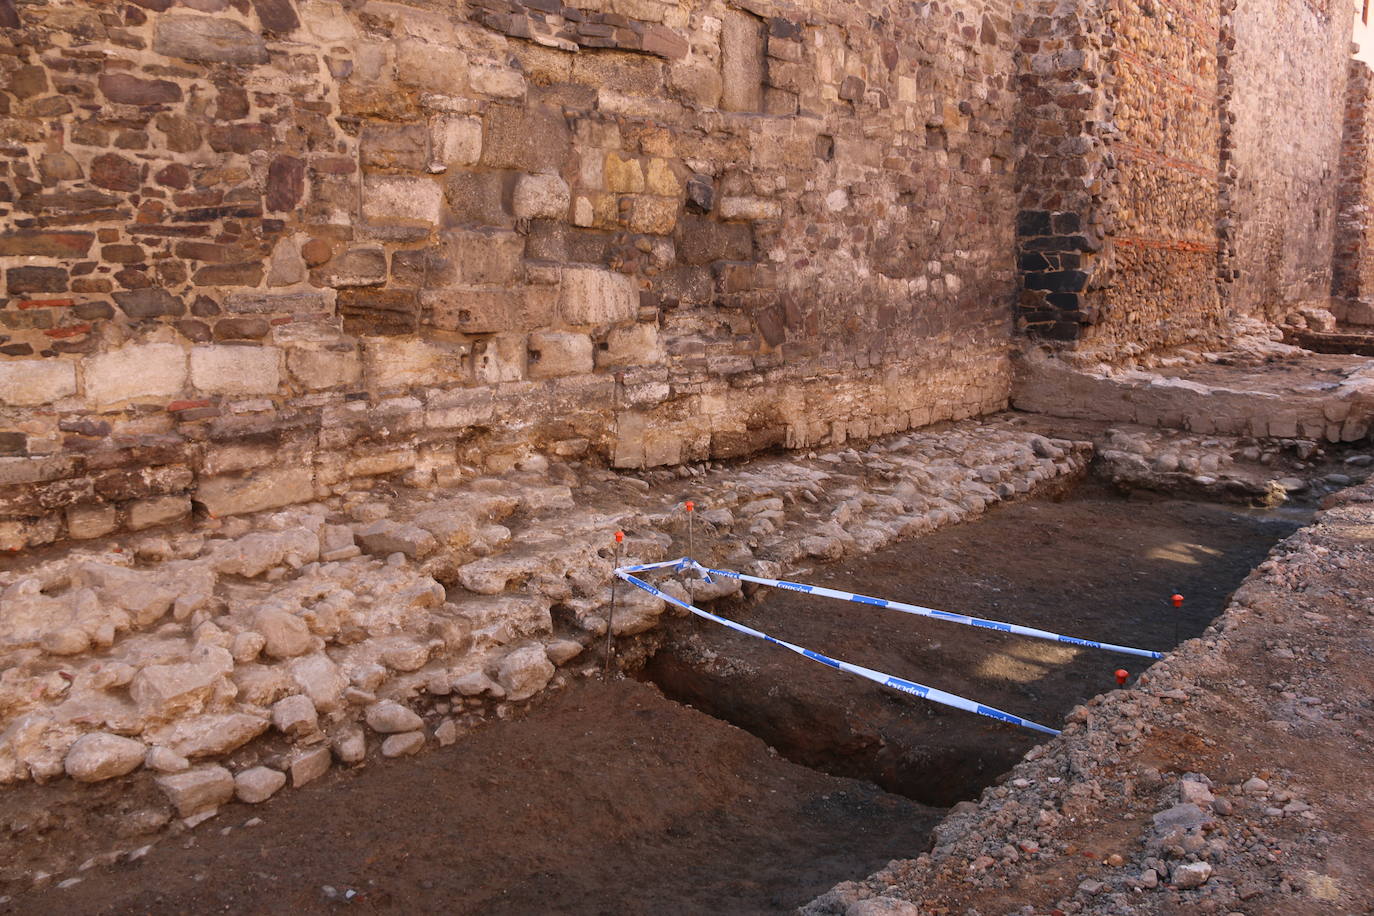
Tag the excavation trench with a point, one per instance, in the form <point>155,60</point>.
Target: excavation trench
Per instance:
<point>609,797</point>
<point>1092,564</point>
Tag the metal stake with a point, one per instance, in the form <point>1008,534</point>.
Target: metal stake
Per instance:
<point>691,530</point>
<point>610,619</point>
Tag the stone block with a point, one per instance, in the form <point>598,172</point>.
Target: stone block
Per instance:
<point>316,369</point>
<point>402,362</point>
<point>361,266</point>
<point>558,353</point>
<point>524,672</point>
<point>264,489</point>
<point>257,784</point>
<point>84,522</point>
<point>497,81</point>
<point>472,310</point>
<point>590,295</point>
<point>213,39</point>
<point>533,139</point>
<point>201,789</point>
<point>395,146</point>
<point>100,756</point>
<point>541,197</point>
<point>636,345</point>
<point>131,373</point>
<point>224,369</point>
<point>160,510</point>
<point>456,142</point>
<point>399,199</point>
<point>749,208</point>
<point>653,215</point>
<point>431,68</point>
<point>486,256</point>
<point>309,765</point>
<point>622,175</point>
<point>31,382</point>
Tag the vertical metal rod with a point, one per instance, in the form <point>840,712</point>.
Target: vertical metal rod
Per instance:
<point>691,530</point>
<point>610,618</point>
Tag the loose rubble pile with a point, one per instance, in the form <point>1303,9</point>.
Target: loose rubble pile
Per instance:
<point>1230,779</point>
<point>325,630</point>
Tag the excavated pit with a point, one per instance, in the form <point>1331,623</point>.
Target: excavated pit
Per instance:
<point>1093,564</point>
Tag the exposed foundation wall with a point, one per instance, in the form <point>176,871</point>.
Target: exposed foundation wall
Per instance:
<point>253,252</point>
<point>1289,64</point>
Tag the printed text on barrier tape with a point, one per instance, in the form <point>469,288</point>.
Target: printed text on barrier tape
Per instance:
<point>887,680</point>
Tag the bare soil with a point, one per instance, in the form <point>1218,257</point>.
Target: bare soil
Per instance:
<point>1095,565</point>
<point>610,798</point>
<point>607,798</point>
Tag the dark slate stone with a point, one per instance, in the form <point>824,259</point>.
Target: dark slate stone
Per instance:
<point>277,15</point>
<point>149,303</point>
<point>285,183</point>
<point>1067,223</point>
<point>1060,281</point>
<point>1032,223</point>
<point>208,38</point>
<point>130,90</point>
<point>701,194</point>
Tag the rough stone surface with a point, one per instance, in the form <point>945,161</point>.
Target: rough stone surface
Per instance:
<point>99,756</point>
<point>257,784</point>
<point>198,790</point>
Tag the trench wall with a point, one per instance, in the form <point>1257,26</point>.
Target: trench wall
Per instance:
<point>253,252</point>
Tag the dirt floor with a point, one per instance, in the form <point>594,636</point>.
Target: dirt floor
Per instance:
<point>609,798</point>
<point>1095,565</point>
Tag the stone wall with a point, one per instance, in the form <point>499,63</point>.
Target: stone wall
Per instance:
<point>1352,278</point>
<point>1199,146</point>
<point>254,252</point>
<point>1289,65</point>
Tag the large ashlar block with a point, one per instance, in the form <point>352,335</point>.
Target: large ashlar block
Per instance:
<point>558,353</point>
<point>541,197</point>
<point>401,362</point>
<point>398,199</point>
<point>590,295</point>
<point>457,142</point>
<point>637,345</point>
<point>431,68</point>
<point>318,369</point>
<point>30,382</point>
<point>236,370</point>
<point>155,370</point>
<point>264,488</point>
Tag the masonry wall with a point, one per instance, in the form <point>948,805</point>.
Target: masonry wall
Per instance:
<point>1352,279</point>
<point>1290,62</point>
<point>254,252</point>
<point>1208,141</point>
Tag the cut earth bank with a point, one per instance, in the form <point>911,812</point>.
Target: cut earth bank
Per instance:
<point>772,514</point>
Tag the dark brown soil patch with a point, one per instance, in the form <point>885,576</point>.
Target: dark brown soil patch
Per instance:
<point>607,798</point>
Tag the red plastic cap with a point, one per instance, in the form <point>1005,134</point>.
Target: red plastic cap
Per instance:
<point>691,506</point>
<point>1121,675</point>
<point>620,537</point>
<point>1177,600</point>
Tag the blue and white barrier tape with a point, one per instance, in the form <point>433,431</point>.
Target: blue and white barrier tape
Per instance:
<point>921,611</point>
<point>887,680</point>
